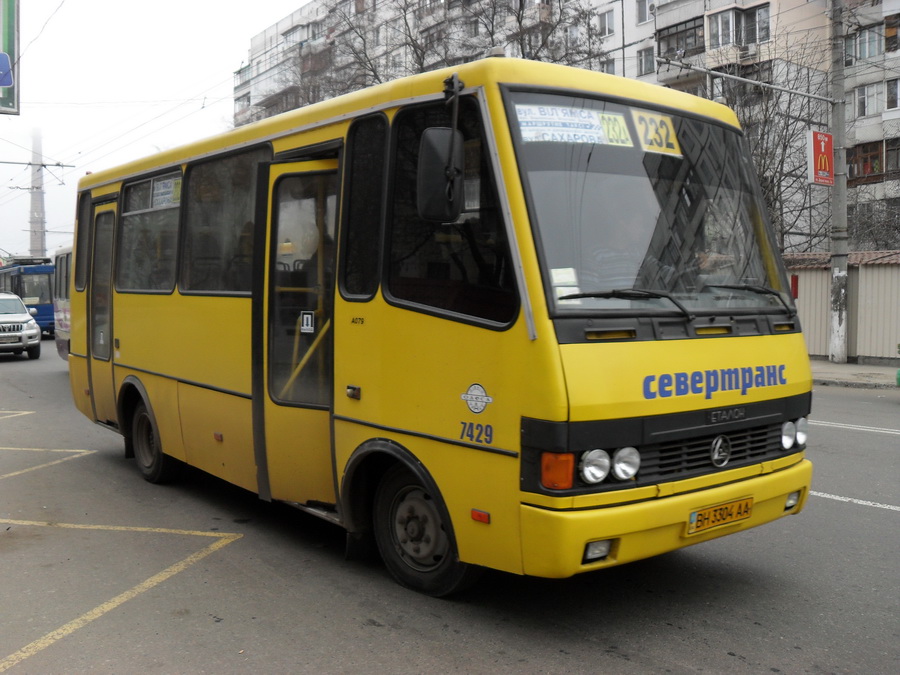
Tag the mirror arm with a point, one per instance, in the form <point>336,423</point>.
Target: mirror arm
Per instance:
<point>452,88</point>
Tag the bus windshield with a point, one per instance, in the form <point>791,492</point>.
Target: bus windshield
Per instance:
<point>36,289</point>
<point>638,210</point>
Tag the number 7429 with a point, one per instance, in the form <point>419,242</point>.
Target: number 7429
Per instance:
<point>477,433</point>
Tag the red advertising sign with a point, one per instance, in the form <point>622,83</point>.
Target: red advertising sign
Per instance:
<point>821,158</point>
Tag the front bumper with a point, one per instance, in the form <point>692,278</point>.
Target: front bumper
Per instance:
<point>553,541</point>
<point>25,340</point>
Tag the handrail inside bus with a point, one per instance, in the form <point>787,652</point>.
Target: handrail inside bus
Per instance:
<point>306,357</point>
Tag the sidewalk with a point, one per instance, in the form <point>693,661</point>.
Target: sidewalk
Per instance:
<point>827,373</point>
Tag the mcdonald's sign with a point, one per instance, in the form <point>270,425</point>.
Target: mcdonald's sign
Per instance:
<point>821,158</point>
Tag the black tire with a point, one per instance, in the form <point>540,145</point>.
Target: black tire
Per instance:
<point>34,352</point>
<point>155,466</point>
<point>414,537</point>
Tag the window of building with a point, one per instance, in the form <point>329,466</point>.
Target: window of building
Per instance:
<point>643,11</point>
<point>646,61</point>
<point>608,66</point>
<point>736,92</point>
<point>723,29</point>
<point>756,25</point>
<point>866,44</point>
<point>891,24</point>
<point>892,154</point>
<point>148,234</point>
<point>865,160</point>
<point>866,101</point>
<point>683,39</point>
<point>293,37</point>
<point>218,224</point>
<point>738,27</point>
<point>607,25</point>
<point>460,268</point>
<point>892,94</point>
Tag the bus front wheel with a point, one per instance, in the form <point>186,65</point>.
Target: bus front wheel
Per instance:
<point>155,466</point>
<point>413,538</point>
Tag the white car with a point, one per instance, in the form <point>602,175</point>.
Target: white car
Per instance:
<point>19,332</point>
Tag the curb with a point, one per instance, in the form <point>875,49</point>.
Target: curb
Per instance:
<point>853,384</point>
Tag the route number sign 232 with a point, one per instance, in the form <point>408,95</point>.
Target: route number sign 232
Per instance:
<point>656,132</point>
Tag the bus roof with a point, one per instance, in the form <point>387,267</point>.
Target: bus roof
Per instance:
<point>488,71</point>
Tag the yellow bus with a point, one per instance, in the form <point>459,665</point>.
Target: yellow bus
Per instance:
<point>508,315</point>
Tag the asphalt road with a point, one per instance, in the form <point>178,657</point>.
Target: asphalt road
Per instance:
<point>105,573</point>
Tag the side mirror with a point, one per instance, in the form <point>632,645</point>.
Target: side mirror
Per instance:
<point>439,179</point>
<point>32,311</point>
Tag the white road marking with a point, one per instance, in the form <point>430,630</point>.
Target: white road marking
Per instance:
<point>851,500</point>
<point>855,427</point>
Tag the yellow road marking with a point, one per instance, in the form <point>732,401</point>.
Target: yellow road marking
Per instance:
<point>79,453</point>
<point>7,414</point>
<point>222,540</point>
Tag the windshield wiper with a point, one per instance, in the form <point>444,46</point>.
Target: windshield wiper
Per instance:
<point>761,290</point>
<point>631,294</point>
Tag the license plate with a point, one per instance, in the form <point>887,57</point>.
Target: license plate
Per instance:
<point>8,338</point>
<point>722,514</point>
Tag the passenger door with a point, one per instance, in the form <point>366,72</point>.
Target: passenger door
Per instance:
<point>298,335</point>
<point>100,313</point>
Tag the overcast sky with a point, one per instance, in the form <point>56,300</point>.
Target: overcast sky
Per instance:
<point>108,81</point>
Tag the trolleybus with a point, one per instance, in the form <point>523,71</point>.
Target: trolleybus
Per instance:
<point>31,278</point>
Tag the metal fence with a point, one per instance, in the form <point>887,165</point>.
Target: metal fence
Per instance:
<point>873,303</point>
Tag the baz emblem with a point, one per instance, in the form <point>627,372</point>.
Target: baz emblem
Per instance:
<point>476,398</point>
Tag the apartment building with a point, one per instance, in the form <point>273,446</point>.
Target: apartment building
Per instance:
<point>872,70</point>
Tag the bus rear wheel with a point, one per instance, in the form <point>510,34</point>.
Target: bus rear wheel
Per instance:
<point>154,465</point>
<point>413,537</point>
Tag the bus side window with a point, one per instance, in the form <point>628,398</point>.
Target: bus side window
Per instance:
<point>461,267</point>
<point>363,204</point>
<point>219,205</point>
<point>147,234</point>
<point>83,243</point>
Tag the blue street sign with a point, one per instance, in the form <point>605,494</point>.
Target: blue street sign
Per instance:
<point>6,78</point>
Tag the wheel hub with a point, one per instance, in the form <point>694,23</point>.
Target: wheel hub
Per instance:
<point>420,538</point>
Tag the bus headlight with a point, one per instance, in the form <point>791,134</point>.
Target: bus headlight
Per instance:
<point>594,466</point>
<point>626,463</point>
<point>788,435</point>
<point>802,431</point>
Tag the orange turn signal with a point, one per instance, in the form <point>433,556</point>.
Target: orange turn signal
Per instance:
<point>557,470</point>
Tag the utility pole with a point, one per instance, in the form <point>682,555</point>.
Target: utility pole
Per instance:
<point>837,350</point>
<point>37,222</point>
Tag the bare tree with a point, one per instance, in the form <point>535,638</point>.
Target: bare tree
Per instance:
<point>776,122</point>
<point>368,42</point>
<point>873,224</point>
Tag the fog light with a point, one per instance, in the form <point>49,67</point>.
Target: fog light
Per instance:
<point>802,431</point>
<point>594,466</point>
<point>597,550</point>
<point>792,500</point>
<point>788,435</point>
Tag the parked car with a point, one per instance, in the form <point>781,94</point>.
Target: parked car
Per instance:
<point>19,332</point>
